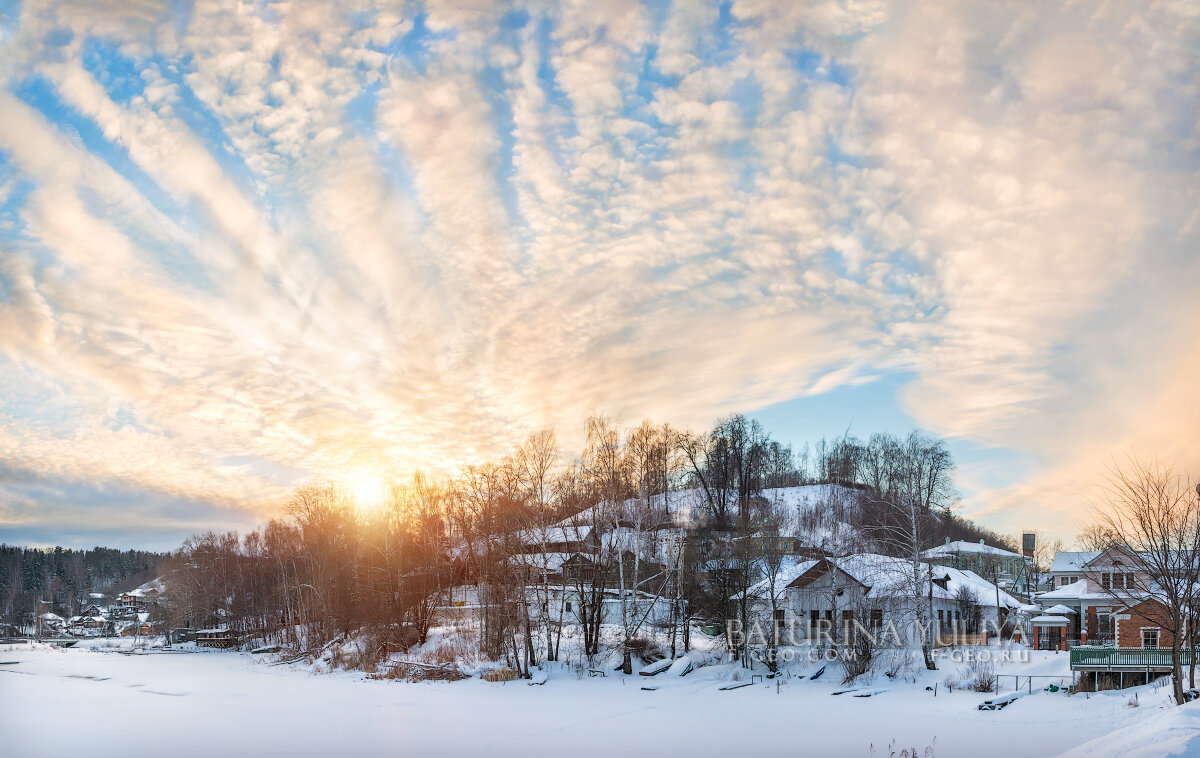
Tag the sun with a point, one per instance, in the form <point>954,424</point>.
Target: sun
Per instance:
<point>368,492</point>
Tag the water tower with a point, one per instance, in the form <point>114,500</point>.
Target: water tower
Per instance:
<point>1028,544</point>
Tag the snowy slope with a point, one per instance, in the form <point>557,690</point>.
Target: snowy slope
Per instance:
<point>1170,731</point>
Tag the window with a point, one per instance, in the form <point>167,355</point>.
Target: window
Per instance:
<point>876,618</point>
<point>1106,581</point>
<point>568,606</point>
<point>779,615</point>
<point>1150,636</point>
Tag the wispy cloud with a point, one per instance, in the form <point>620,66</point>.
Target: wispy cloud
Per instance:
<point>245,245</point>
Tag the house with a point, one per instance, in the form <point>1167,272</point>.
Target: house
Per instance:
<point>1068,567</point>
<point>1094,586</point>
<point>137,629</point>
<point>558,539</point>
<point>877,591</point>
<point>183,634</point>
<point>218,637</point>
<point>1140,649</point>
<point>1012,571</point>
<point>51,623</point>
<point>87,622</point>
<point>138,598</point>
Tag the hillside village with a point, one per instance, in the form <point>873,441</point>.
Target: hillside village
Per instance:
<point>603,585</point>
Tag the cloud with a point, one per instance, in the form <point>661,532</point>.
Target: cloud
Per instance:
<point>295,241</point>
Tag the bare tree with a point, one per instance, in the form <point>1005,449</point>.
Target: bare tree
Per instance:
<point>910,489</point>
<point>1150,512</point>
<point>774,554</point>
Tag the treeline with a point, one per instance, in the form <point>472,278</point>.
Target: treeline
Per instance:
<point>330,569</point>
<point>57,580</point>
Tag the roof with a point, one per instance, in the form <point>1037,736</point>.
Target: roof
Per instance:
<point>885,576</point>
<point>1079,591</point>
<point>962,546</point>
<point>1072,561</point>
<point>986,592</point>
<point>553,534</point>
<point>789,570</point>
<point>543,561</point>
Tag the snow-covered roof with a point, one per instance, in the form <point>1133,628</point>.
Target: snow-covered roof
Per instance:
<point>886,577</point>
<point>962,546</point>
<point>553,534</point>
<point>1072,561</point>
<point>790,568</point>
<point>1049,621</point>
<point>1058,610</point>
<point>985,592</point>
<point>1079,591</point>
<point>543,561</point>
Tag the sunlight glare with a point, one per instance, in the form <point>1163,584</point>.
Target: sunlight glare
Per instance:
<point>369,492</point>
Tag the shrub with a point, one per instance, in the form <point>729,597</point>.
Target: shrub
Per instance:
<point>977,675</point>
<point>646,649</point>
<point>857,656</point>
<point>982,676</point>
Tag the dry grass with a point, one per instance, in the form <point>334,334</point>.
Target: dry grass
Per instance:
<point>411,671</point>
<point>504,674</point>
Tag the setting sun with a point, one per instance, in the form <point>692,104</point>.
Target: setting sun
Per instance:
<point>368,492</point>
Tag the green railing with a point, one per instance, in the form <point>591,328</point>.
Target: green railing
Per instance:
<point>1110,657</point>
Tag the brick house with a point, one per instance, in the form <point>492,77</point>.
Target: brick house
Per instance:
<point>1146,624</point>
<point>1102,583</point>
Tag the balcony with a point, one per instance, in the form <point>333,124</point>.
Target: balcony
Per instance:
<point>1125,659</point>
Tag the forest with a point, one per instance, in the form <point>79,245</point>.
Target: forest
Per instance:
<point>57,580</point>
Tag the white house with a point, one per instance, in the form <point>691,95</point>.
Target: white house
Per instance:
<point>878,591</point>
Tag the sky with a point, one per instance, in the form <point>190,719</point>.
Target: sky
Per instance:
<point>245,246</point>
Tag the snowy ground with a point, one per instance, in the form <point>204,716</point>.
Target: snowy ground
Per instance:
<point>55,702</point>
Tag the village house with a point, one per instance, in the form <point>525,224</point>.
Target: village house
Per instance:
<point>876,591</point>
<point>1013,572</point>
<point>1068,567</point>
<point>1093,586</point>
<point>1103,608</point>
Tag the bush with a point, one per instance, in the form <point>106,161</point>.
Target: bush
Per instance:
<point>411,671</point>
<point>899,663</point>
<point>981,676</point>
<point>977,675</point>
<point>857,657</point>
<point>646,649</point>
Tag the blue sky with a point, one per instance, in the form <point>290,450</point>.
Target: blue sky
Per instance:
<point>248,246</point>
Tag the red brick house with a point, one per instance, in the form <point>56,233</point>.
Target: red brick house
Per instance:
<point>1146,624</point>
